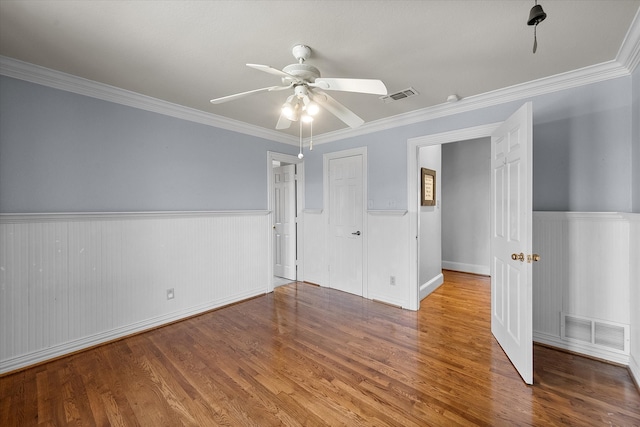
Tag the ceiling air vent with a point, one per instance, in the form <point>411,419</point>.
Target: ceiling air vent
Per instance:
<point>405,93</point>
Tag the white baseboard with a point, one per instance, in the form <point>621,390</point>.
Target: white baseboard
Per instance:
<point>586,349</point>
<point>484,270</point>
<point>634,370</point>
<point>430,286</point>
<point>114,334</point>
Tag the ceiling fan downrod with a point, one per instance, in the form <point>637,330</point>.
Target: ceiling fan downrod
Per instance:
<point>301,53</point>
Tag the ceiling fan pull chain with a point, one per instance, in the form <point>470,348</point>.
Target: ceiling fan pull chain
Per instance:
<point>300,156</point>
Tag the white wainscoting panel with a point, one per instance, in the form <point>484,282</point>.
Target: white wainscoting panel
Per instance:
<point>388,256</point>
<point>315,247</point>
<point>634,291</point>
<point>550,273</point>
<point>584,271</point>
<point>69,281</point>
<point>598,257</point>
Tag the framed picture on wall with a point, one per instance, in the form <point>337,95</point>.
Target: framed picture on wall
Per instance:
<point>428,187</point>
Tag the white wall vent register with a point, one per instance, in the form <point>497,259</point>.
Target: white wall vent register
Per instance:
<point>613,336</point>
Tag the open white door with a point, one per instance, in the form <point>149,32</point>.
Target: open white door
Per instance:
<point>511,218</point>
<point>284,217</point>
<point>346,224</point>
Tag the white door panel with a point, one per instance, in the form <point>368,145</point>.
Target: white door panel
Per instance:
<point>511,183</point>
<point>346,224</point>
<point>284,214</point>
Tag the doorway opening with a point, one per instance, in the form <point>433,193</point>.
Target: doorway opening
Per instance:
<point>285,204</point>
<point>466,206</point>
<point>510,222</point>
<point>413,155</point>
<point>454,231</point>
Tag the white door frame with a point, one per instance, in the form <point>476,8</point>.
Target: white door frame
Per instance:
<point>286,158</point>
<point>326,158</point>
<point>413,199</point>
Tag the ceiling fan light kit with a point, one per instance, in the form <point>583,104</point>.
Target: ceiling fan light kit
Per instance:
<point>309,87</point>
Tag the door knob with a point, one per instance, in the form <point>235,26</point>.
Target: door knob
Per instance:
<point>517,257</point>
<point>357,233</point>
<point>533,258</point>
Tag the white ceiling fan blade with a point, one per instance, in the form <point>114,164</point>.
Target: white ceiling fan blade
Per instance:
<point>271,70</point>
<point>283,122</point>
<point>337,109</point>
<point>351,85</point>
<point>278,88</point>
<point>249,92</point>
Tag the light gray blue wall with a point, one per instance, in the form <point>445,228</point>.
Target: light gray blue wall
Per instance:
<point>581,152</point>
<point>387,156</point>
<point>63,152</point>
<point>430,238</point>
<point>582,149</point>
<point>635,136</point>
<point>466,202</point>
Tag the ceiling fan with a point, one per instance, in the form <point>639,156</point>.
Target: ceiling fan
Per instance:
<point>308,91</point>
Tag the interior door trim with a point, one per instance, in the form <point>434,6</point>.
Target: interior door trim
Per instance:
<point>413,193</point>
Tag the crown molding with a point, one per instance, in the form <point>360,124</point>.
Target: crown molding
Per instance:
<point>568,80</point>
<point>627,60</point>
<point>58,80</point>
<point>629,53</point>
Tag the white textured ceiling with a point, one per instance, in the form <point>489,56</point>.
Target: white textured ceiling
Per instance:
<point>187,52</point>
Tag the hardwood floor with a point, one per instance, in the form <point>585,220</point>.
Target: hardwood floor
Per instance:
<point>306,355</point>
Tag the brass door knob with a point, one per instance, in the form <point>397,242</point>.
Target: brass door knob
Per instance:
<point>517,257</point>
<point>533,258</point>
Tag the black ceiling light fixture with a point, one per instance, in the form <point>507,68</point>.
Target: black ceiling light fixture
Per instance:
<point>536,16</point>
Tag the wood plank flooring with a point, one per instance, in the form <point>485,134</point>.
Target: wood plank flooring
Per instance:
<point>310,356</point>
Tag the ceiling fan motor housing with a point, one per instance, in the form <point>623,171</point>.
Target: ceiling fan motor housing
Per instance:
<point>305,72</point>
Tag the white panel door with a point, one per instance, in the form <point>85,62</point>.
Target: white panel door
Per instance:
<point>345,224</point>
<point>511,293</point>
<point>284,214</point>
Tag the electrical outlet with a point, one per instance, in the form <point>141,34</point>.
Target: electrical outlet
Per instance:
<point>392,280</point>
<point>170,293</point>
